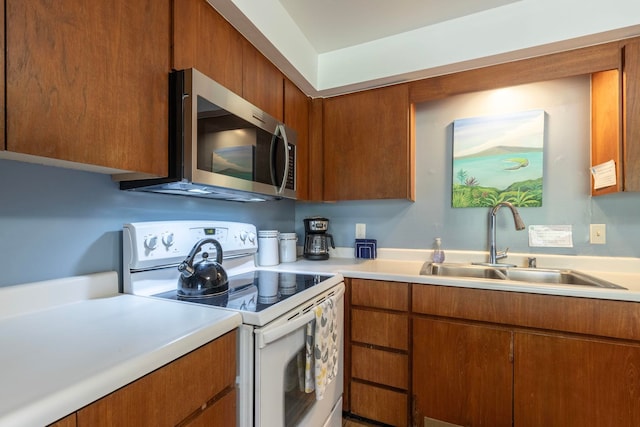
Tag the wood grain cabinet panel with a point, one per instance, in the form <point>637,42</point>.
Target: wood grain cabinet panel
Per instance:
<point>380,294</point>
<point>204,40</point>
<point>176,392</point>
<point>631,118</point>
<point>68,421</point>
<point>367,138</point>
<point>379,366</point>
<point>220,413</point>
<point>379,328</point>
<point>376,403</point>
<point>296,116</point>
<point>86,82</point>
<point>462,373</point>
<point>262,82</point>
<point>565,381</point>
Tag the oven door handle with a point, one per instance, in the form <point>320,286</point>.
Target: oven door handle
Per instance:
<point>269,335</point>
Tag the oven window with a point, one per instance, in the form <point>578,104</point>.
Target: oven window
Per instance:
<point>296,401</point>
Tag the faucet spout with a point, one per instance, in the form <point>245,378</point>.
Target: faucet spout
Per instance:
<point>494,254</point>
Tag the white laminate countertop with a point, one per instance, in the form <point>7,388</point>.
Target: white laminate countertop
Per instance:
<point>404,265</point>
<point>65,343</point>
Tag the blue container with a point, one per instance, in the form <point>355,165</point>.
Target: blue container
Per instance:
<point>366,248</point>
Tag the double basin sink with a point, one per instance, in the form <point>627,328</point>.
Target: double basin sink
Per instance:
<point>529,275</point>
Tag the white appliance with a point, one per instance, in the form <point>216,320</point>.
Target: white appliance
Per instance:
<point>276,307</point>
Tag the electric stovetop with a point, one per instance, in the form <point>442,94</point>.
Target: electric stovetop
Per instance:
<point>255,291</point>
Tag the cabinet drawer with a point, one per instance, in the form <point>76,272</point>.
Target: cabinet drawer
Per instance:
<point>379,404</point>
<point>379,366</point>
<point>379,294</point>
<point>220,413</point>
<point>380,328</point>
<point>171,393</point>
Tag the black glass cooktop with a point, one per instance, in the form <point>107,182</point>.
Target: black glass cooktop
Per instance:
<point>256,290</point>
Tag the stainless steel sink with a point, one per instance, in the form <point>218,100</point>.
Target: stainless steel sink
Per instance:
<point>529,275</point>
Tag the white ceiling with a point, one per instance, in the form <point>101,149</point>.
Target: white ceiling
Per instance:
<point>330,47</point>
<point>335,24</point>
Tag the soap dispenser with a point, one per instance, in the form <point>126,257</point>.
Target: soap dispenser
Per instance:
<point>438,252</point>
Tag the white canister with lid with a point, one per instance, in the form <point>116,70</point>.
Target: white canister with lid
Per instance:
<point>288,247</point>
<point>268,248</point>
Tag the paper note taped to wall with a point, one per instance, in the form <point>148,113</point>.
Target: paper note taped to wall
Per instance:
<point>551,236</point>
<point>604,174</point>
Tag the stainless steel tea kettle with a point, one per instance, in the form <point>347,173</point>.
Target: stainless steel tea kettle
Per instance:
<point>205,278</point>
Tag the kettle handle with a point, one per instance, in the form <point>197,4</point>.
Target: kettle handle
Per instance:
<point>186,266</point>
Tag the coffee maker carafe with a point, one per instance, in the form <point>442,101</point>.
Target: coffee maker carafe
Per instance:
<point>316,240</point>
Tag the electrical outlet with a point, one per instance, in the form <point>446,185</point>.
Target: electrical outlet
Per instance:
<point>361,231</point>
<point>598,234</point>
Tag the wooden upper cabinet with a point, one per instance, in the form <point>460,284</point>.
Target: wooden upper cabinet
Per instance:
<point>615,128</point>
<point>631,118</point>
<point>204,40</point>
<point>2,82</point>
<point>87,82</point>
<point>296,116</point>
<point>368,145</point>
<point>262,82</point>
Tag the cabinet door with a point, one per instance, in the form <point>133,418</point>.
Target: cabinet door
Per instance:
<point>204,40</point>
<point>296,116</point>
<point>631,119</point>
<point>462,373</point>
<point>87,81</point>
<point>262,82</point>
<point>368,150</point>
<point>170,394</point>
<point>562,381</point>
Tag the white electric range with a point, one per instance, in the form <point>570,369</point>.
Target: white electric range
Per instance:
<point>276,308</point>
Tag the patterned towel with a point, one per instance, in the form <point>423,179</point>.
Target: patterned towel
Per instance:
<point>326,345</point>
<point>305,362</point>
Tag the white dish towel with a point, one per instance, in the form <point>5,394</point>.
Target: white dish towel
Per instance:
<point>325,345</point>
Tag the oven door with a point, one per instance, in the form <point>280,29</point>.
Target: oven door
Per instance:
<point>280,346</point>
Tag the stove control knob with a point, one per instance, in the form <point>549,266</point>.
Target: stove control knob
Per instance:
<point>252,237</point>
<point>151,242</point>
<point>167,239</point>
<point>243,236</point>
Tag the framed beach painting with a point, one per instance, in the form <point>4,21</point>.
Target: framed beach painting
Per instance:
<point>498,159</point>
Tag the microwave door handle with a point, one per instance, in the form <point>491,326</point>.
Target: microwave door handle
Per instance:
<point>270,335</point>
<point>279,131</point>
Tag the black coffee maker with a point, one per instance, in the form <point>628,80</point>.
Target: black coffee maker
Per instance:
<point>316,239</point>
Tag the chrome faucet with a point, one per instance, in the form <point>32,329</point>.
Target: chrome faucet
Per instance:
<point>494,254</point>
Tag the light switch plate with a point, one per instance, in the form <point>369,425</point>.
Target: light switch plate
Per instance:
<point>361,231</point>
<point>598,234</point>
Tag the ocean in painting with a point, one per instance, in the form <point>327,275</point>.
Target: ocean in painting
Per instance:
<point>499,171</point>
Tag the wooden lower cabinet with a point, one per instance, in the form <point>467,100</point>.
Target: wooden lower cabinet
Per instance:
<point>195,390</point>
<point>379,404</point>
<point>474,357</point>
<point>462,373</point>
<point>377,351</point>
<point>68,421</point>
<point>575,381</point>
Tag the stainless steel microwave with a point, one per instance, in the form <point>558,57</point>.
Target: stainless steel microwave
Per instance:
<point>222,147</point>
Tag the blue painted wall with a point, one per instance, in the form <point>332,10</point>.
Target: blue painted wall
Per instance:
<point>56,222</point>
<point>566,194</point>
